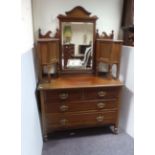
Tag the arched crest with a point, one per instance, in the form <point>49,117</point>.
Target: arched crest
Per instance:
<point>78,12</point>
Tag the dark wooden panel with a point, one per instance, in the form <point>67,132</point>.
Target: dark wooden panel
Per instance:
<point>128,22</point>
<point>63,95</point>
<point>68,52</point>
<point>104,51</point>
<point>101,93</point>
<point>82,48</point>
<point>128,13</point>
<point>75,120</point>
<point>54,107</point>
<point>78,82</point>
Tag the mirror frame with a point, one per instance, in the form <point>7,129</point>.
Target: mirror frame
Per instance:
<point>78,14</point>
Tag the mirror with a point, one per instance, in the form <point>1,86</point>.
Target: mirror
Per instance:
<point>77,33</point>
<point>77,45</point>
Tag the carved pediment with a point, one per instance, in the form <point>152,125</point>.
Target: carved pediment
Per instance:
<point>104,35</point>
<point>78,12</point>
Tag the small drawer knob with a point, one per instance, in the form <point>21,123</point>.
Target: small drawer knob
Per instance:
<point>100,118</point>
<point>63,122</point>
<point>63,96</point>
<point>64,108</point>
<point>102,93</point>
<point>101,105</point>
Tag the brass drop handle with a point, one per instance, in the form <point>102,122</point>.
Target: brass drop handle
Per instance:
<point>64,108</point>
<point>101,93</point>
<point>101,105</point>
<point>100,118</point>
<point>63,96</point>
<point>63,122</point>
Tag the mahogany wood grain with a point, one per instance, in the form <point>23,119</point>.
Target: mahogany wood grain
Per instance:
<point>76,106</point>
<point>68,51</point>
<point>43,117</point>
<point>77,14</point>
<point>80,101</point>
<point>79,81</point>
<point>73,101</point>
<point>55,95</point>
<point>109,52</point>
<point>81,94</point>
<point>48,54</point>
<point>104,35</point>
<point>78,120</point>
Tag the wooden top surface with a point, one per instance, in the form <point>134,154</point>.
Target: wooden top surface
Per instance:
<point>79,81</point>
<point>109,40</point>
<point>47,39</point>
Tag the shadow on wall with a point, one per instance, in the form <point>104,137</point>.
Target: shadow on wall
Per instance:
<point>36,70</point>
<point>126,98</point>
<point>124,66</point>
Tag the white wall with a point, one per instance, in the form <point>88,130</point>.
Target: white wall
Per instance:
<point>45,13</point>
<point>127,75</point>
<point>31,131</point>
<point>27,29</point>
<point>10,103</point>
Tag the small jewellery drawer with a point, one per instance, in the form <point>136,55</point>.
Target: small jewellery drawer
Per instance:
<point>99,93</point>
<point>81,106</point>
<point>62,95</point>
<point>80,119</point>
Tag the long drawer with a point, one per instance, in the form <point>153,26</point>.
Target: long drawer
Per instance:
<point>74,120</point>
<point>81,94</point>
<point>81,106</point>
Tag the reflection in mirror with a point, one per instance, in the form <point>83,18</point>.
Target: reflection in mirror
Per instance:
<point>77,45</point>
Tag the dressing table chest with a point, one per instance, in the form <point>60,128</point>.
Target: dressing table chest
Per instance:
<point>79,97</point>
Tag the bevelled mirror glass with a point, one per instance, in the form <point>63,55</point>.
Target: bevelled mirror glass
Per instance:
<point>77,45</point>
<point>77,35</point>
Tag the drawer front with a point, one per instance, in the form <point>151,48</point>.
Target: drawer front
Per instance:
<point>63,95</point>
<point>81,106</point>
<point>101,93</point>
<point>74,120</point>
<point>81,94</point>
